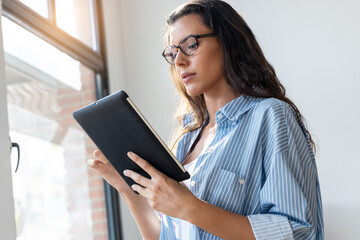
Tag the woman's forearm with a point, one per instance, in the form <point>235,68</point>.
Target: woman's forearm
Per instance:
<point>219,222</point>
<point>145,217</point>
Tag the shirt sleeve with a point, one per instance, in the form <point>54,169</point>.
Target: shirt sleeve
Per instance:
<point>167,231</point>
<point>290,203</point>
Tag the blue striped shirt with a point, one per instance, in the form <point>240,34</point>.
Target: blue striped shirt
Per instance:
<point>261,165</point>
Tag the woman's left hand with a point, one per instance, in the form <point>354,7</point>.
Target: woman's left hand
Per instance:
<point>163,193</point>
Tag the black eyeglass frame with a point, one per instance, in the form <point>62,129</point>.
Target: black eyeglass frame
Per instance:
<point>183,40</point>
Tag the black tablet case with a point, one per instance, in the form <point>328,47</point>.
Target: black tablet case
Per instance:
<point>117,127</point>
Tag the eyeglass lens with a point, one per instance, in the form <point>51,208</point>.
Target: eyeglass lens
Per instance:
<point>188,46</point>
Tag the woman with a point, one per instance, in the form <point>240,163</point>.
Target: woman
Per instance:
<point>252,167</point>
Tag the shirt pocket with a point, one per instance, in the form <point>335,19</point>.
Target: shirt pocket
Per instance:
<point>226,190</point>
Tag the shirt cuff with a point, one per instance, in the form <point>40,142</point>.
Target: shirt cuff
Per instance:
<point>270,226</point>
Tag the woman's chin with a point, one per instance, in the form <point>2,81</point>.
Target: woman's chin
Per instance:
<point>193,92</point>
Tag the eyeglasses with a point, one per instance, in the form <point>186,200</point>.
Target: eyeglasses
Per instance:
<point>187,46</point>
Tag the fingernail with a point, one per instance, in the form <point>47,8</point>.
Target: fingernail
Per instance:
<point>130,154</point>
<point>90,161</point>
<point>126,172</point>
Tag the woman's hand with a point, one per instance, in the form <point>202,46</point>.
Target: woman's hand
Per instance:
<point>148,222</point>
<point>162,193</point>
<point>103,167</point>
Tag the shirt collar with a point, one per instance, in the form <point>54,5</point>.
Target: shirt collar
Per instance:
<point>234,109</point>
<point>188,118</point>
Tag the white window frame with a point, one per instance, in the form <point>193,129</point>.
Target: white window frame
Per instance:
<point>7,216</point>
<point>95,60</point>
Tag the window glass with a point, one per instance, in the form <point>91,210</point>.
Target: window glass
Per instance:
<point>76,18</point>
<point>39,6</point>
<point>56,195</point>
<point>30,49</point>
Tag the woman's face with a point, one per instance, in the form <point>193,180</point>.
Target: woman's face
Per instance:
<point>201,73</point>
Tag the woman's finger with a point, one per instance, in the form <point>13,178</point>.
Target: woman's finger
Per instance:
<point>94,163</point>
<point>99,155</point>
<point>146,166</point>
<point>143,181</point>
<point>108,172</point>
<point>141,190</point>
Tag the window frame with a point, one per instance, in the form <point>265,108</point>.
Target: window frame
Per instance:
<point>47,30</point>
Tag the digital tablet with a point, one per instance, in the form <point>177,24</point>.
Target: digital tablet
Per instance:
<point>116,127</point>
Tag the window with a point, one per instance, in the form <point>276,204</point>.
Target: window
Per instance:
<point>54,65</point>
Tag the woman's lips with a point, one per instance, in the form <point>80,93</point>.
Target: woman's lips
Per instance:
<point>186,77</point>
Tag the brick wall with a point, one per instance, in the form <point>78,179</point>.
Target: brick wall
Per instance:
<point>84,186</point>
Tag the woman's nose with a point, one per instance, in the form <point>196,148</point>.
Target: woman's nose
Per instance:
<point>181,59</point>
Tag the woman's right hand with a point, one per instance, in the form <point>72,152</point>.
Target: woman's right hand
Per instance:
<point>104,168</point>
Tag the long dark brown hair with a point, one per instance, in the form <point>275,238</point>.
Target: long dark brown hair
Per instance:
<point>246,69</point>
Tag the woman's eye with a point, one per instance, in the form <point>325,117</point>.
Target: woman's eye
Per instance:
<point>170,55</point>
<point>192,46</point>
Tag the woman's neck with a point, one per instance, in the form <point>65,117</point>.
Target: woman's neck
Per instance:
<point>217,101</point>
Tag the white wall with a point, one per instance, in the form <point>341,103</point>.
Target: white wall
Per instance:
<point>134,31</point>
<point>314,47</point>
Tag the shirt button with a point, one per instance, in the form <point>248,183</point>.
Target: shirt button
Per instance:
<point>241,181</point>
<point>192,183</point>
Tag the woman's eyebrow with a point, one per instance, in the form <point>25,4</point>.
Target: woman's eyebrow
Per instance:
<point>177,43</point>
